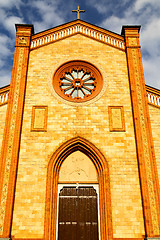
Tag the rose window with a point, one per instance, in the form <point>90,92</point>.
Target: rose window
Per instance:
<point>77,81</point>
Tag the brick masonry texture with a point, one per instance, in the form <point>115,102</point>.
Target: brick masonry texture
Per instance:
<point>3,110</point>
<point>88,121</point>
<point>155,124</point>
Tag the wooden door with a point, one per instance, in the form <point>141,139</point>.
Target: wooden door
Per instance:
<point>78,214</point>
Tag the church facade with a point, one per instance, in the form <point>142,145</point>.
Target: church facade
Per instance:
<point>79,137</point>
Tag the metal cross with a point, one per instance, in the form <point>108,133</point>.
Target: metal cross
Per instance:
<point>78,11</point>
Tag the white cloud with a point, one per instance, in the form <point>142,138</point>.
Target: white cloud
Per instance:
<point>9,3</point>
<point>139,4</point>
<point>141,13</point>
<point>151,36</point>
<point>9,21</point>
<point>113,23</point>
<point>5,51</point>
<point>5,77</point>
<point>152,72</point>
<point>2,16</point>
<point>108,6</point>
<point>49,14</point>
<point>4,42</point>
<point>5,74</point>
<point>150,42</point>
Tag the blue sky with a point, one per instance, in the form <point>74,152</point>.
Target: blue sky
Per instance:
<point>109,14</point>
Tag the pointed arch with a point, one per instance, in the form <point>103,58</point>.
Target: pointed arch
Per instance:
<point>101,166</point>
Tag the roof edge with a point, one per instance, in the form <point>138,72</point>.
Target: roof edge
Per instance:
<point>73,22</point>
<point>130,26</point>
<point>5,88</point>
<point>26,25</point>
<point>153,90</point>
<point>4,93</point>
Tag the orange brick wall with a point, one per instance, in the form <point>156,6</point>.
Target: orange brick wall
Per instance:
<point>88,121</point>
<point>3,110</point>
<point>155,124</point>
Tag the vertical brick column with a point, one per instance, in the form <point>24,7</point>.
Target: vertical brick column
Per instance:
<point>12,131</point>
<point>145,149</point>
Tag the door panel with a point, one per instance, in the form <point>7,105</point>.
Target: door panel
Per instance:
<point>78,214</point>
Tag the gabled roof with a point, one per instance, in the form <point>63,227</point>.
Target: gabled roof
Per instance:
<point>77,27</point>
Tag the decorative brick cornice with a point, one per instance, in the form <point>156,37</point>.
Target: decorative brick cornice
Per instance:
<point>75,27</point>
<point>4,93</point>
<point>153,96</point>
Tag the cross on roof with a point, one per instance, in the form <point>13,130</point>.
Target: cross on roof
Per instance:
<point>78,11</point>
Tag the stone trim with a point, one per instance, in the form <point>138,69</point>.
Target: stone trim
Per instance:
<point>5,238</point>
<point>76,27</point>
<point>152,238</point>
<point>45,116</point>
<point>121,122</point>
<point>101,166</point>
<point>12,131</point>
<point>143,135</point>
<point>153,96</point>
<point>78,65</point>
<point>88,59</point>
<point>4,93</point>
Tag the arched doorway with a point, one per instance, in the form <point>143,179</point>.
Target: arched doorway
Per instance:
<point>102,175</point>
<point>78,197</point>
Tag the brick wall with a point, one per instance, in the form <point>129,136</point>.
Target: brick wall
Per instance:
<point>90,121</point>
<point>3,110</point>
<point>155,124</point>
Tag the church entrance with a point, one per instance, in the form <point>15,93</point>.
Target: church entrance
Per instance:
<point>78,203</point>
<point>78,213</point>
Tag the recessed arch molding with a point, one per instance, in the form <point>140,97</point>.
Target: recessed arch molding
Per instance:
<point>101,166</point>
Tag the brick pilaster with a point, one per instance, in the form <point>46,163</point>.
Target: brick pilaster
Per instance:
<point>144,142</point>
<point>12,131</point>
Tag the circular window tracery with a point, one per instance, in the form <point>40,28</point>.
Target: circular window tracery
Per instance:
<point>77,81</point>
